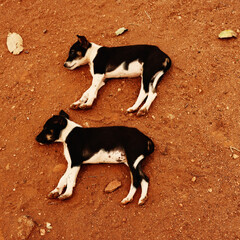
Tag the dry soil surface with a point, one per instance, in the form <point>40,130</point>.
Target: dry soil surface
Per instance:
<point>194,176</point>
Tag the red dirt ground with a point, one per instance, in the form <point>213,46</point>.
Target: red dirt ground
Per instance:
<point>194,180</point>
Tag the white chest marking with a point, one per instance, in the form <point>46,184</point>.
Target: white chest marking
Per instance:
<point>102,156</point>
<point>134,70</point>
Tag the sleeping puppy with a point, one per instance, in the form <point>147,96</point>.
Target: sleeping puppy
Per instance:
<point>97,145</point>
<point>146,61</point>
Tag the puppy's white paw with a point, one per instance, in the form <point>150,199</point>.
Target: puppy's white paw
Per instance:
<point>142,112</point>
<point>142,201</point>
<point>75,105</point>
<point>130,110</point>
<point>53,194</point>
<point>126,200</point>
<point>85,106</point>
<point>64,196</point>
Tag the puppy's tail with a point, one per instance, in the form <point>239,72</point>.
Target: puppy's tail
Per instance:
<point>167,64</point>
<point>150,146</point>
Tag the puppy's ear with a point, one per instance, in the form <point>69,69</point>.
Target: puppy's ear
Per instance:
<point>63,114</point>
<point>83,41</point>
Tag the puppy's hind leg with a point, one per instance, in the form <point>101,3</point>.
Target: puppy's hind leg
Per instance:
<point>141,97</point>
<point>144,186</point>
<point>152,93</point>
<point>131,193</point>
<point>135,180</point>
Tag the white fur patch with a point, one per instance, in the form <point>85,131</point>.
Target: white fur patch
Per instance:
<point>144,186</point>
<point>156,78</point>
<point>134,70</point>
<point>102,156</point>
<point>138,160</point>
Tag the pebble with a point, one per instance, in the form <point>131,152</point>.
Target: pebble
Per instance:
<point>8,166</point>
<point>112,186</point>
<point>25,227</point>
<point>170,116</point>
<point>194,179</point>
<point>210,190</point>
<point>235,156</point>
<point>42,231</point>
<point>48,225</point>
<point>86,124</point>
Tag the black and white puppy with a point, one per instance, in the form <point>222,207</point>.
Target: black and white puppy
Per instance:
<point>97,145</point>
<point>146,61</point>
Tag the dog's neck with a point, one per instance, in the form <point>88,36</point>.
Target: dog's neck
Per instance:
<point>92,52</point>
<point>64,133</point>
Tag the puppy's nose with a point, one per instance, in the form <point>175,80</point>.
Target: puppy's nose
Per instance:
<point>65,64</point>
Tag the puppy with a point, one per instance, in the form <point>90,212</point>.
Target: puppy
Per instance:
<point>119,62</point>
<point>97,145</point>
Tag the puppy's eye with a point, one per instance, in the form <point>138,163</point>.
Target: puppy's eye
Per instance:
<point>72,52</point>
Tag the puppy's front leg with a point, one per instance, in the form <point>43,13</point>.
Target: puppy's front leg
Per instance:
<point>82,100</point>
<point>71,182</point>
<point>88,96</point>
<point>97,83</point>
<point>61,185</point>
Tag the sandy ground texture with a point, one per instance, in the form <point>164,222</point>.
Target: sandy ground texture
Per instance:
<point>194,172</point>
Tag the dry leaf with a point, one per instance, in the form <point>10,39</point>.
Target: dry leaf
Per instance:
<point>121,31</point>
<point>227,34</point>
<point>14,43</point>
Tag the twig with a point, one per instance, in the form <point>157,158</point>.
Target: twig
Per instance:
<point>148,15</point>
<point>233,148</point>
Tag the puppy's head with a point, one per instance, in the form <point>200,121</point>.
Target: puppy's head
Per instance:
<point>77,53</point>
<point>52,128</point>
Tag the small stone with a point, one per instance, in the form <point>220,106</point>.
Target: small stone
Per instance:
<point>8,166</point>
<point>48,225</point>
<point>112,186</point>
<point>42,232</point>
<point>119,89</point>
<point>26,225</point>
<point>124,220</point>
<point>45,31</point>
<point>170,116</point>
<point>86,124</point>
<point>210,190</point>
<point>194,179</point>
<point>235,156</point>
